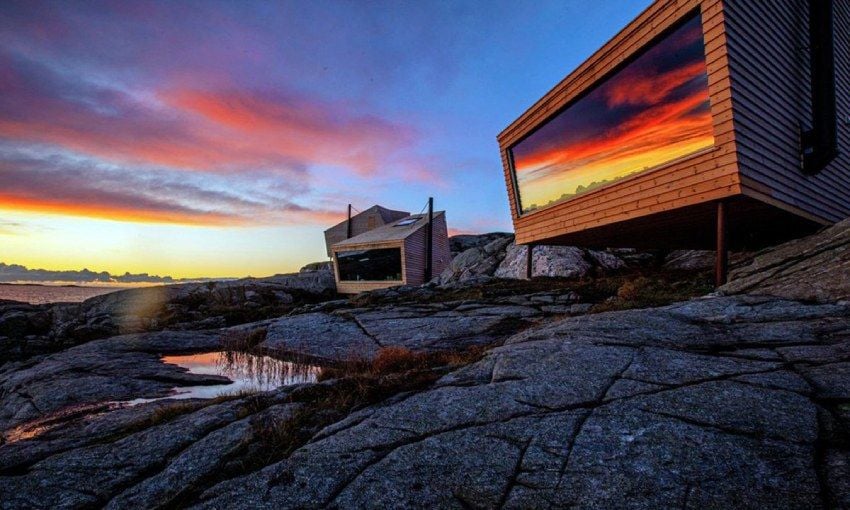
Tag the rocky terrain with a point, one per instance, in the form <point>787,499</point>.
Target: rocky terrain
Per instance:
<point>814,268</point>
<point>561,391</point>
<point>26,330</point>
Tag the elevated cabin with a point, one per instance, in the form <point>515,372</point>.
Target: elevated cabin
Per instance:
<point>395,254</point>
<point>701,124</point>
<point>372,218</point>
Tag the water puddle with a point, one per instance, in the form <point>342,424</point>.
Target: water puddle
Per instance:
<point>249,373</point>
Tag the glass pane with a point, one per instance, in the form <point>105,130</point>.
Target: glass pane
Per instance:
<point>650,113</point>
<point>382,264</point>
<point>408,221</point>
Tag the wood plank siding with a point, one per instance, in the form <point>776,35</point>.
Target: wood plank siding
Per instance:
<point>415,250</point>
<point>771,103</point>
<point>705,177</point>
<point>758,81</point>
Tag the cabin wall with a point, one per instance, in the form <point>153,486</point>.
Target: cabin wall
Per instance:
<point>710,176</point>
<point>362,222</point>
<point>769,67</point>
<point>415,250</point>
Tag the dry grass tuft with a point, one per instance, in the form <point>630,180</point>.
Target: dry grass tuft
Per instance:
<point>349,386</point>
<point>169,411</point>
<point>651,291</point>
<point>400,360</point>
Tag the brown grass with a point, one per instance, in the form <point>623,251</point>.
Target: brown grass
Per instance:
<point>654,290</point>
<point>168,412</point>
<point>352,385</point>
<point>400,360</point>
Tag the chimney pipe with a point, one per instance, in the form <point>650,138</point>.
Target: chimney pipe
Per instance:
<point>429,241</point>
<point>348,224</point>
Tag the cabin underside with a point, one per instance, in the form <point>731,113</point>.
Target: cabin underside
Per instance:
<point>750,225</point>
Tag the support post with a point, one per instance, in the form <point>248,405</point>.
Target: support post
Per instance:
<point>529,262</point>
<point>429,241</point>
<point>348,224</point>
<point>721,262</point>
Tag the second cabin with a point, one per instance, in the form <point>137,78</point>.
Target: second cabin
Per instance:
<point>393,254</point>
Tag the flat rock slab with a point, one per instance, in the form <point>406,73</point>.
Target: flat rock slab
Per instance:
<point>361,333</point>
<point>687,405</point>
<point>319,335</point>
<point>733,402</point>
<point>113,369</point>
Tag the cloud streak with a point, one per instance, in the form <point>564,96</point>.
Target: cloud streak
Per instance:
<point>104,152</point>
<point>192,129</point>
<point>63,184</point>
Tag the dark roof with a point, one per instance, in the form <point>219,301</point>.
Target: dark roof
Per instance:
<point>388,215</point>
<point>391,232</point>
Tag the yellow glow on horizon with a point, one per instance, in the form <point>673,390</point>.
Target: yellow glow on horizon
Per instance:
<point>54,242</point>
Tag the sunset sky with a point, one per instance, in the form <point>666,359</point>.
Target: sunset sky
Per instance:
<point>650,112</point>
<point>219,139</point>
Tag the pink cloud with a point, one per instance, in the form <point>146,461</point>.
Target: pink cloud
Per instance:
<point>221,131</point>
<point>293,128</point>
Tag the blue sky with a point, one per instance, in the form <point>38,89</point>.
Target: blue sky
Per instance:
<point>220,139</point>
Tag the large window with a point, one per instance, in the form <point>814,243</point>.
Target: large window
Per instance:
<point>648,114</point>
<point>382,264</point>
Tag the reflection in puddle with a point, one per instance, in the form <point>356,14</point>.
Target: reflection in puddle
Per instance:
<point>249,373</point>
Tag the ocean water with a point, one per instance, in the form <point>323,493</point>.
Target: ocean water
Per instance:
<point>39,294</point>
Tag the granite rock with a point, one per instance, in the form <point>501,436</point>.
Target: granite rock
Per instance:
<point>814,268</point>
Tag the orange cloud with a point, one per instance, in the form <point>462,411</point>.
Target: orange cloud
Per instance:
<point>292,129</point>
<point>113,212</point>
<point>55,184</point>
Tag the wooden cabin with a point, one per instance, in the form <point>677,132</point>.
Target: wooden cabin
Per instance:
<point>701,124</point>
<point>395,254</point>
<point>372,218</point>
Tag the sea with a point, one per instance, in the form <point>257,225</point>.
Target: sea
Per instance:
<point>58,292</point>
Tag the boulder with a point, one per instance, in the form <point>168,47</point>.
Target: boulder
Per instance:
<point>312,267</point>
<point>319,336</point>
<point>463,242</point>
<point>814,268</point>
<point>482,260</point>
<point>556,261</point>
<point>479,258</point>
<point>607,261</point>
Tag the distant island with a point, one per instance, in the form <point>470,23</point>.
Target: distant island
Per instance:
<point>10,273</point>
